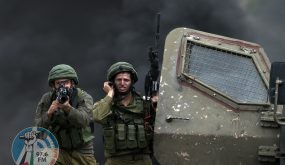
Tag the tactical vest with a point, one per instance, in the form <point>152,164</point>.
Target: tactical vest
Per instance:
<point>68,136</point>
<point>125,131</point>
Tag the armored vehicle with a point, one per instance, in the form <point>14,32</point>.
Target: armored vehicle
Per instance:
<point>214,106</point>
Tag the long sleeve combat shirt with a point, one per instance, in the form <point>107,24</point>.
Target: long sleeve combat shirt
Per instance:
<point>77,117</point>
<point>102,109</point>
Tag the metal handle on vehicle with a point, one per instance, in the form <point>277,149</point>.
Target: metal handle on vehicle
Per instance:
<point>169,118</point>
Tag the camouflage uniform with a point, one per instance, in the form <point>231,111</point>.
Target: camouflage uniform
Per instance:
<point>125,136</point>
<point>72,130</point>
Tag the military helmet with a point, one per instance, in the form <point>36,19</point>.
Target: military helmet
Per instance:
<point>62,71</point>
<point>122,67</point>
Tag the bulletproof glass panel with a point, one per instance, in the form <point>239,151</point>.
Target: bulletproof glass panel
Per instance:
<point>232,74</point>
<point>277,71</point>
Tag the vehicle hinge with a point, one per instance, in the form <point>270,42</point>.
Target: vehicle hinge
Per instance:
<point>267,153</point>
<point>267,119</point>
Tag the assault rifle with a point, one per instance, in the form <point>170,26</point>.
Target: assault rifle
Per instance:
<point>151,89</point>
<point>62,95</point>
<point>151,80</point>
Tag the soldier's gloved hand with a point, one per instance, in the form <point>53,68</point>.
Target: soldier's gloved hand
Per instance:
<point>30,139</point>
<point>53,107</point>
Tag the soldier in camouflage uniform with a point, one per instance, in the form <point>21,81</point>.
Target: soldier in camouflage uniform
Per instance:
<point>122,113</point>
<point>68,121</point>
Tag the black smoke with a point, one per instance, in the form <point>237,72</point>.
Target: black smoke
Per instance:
<point>91,35</point>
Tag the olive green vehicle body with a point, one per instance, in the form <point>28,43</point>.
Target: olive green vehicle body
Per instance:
<point>220,129</point>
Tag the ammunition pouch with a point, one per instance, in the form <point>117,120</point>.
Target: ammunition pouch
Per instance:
<point>109,140</point>
<point>123,137</point>
<point>142,143</point>
<point>121,140</point>
<point>131,137</point>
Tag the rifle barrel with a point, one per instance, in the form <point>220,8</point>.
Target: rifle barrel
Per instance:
<point>157,30</point>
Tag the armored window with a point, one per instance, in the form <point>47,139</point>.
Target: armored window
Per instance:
<point>233,75</point>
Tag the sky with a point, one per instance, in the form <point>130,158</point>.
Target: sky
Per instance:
<point>92,35</point>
